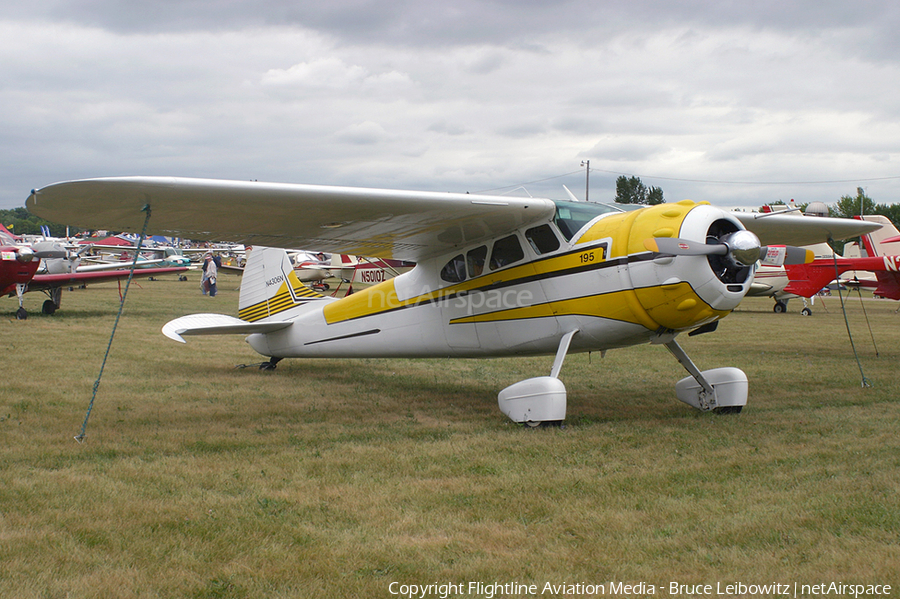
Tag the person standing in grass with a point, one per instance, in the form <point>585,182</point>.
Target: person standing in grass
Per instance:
<point>210,274</point>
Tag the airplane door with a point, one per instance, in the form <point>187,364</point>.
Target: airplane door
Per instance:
<point>458,305</point>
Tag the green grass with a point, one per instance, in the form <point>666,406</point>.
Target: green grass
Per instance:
<point>335,478</point>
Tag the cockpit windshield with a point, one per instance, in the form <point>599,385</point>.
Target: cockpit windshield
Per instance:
<point>571,216</point>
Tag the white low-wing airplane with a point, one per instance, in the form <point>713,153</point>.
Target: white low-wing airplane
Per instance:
<point>494,276</point>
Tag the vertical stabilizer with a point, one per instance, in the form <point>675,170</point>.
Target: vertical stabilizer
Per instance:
<point>270,286</point>
<point>875,243</point>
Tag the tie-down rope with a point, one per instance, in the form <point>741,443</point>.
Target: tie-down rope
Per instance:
<point>137,252</point>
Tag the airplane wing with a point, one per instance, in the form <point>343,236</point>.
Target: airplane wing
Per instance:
<point>406,225</point>
<point>403,225</point>
<point>787,229</point>
<point>119,264</point>
<point>41,282</point>
<point>217,324</point>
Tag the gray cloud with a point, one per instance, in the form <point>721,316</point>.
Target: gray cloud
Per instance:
<point>456,96</point>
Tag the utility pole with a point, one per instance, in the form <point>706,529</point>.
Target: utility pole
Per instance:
<point>587,178</point>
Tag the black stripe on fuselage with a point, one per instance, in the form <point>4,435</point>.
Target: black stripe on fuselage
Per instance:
<point>351,336</point>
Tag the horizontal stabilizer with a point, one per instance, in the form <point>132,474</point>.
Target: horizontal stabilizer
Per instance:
<point>217,324</point>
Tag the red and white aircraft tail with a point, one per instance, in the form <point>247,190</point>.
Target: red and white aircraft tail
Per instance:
<point>881,242</point>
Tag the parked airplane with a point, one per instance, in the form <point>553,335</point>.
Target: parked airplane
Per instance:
<point>368,271</point>
<point>310,267</point>
<point>775,282</point>
<point>882,242</point>
<point>315,267</point>
<point>161,256</point>
<point>19,272</point>
<point>494,276</point>
<point>771,281</point>
<point>808,279</point>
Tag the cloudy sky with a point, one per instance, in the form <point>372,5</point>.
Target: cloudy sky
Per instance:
<point>737,103</point>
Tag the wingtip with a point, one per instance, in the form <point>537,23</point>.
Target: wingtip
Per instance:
<point>173,334</point>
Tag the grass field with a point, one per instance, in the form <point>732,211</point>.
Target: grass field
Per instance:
<point>350,478</point>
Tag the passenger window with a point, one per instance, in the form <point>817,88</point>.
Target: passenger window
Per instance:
<point>506,251</point>
<point>455,270</point>
<point>542,239</point>
<point>475,261</point>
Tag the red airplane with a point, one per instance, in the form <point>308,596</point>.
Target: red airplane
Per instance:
<point>19,263</point>
<point>808,279</point>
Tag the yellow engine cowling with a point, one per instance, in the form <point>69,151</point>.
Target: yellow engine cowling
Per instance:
<point>676,293</point>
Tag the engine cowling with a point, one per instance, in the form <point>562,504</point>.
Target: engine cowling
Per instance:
<point>681,292</point>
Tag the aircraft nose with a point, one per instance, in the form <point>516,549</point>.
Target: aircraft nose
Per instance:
<point>25,254</point>
<point>743,246</point>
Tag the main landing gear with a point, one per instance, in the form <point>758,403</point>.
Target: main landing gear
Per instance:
<point>49,307</point>
<point>542,400</point>
<point>722,390</point>
<point>539,400</point>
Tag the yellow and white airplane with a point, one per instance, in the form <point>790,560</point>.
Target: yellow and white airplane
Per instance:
<point>494,276</point>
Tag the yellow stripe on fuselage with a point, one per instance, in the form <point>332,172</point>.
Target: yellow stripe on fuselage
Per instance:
<point>677,305</point>
<point>374,300</point>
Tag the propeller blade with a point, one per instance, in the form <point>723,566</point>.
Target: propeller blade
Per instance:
<point>684,247</point>
<point>740,247</point>
<point>777,255</point>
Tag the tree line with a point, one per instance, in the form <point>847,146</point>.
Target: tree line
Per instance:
<point>21,222</point>
<point>631,190</point>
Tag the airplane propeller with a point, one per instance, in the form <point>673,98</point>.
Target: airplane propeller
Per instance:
<point>743,247</point>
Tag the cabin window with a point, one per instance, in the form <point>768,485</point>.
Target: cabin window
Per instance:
<point>542,239</point>
<point>571,216</point>
<point>506,251</point>
<point>455,270</point>
<point>475,261</point>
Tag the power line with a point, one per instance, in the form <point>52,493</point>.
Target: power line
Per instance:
<point>706,181</point>
<point>748,182</point>
<point>530,182</point>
